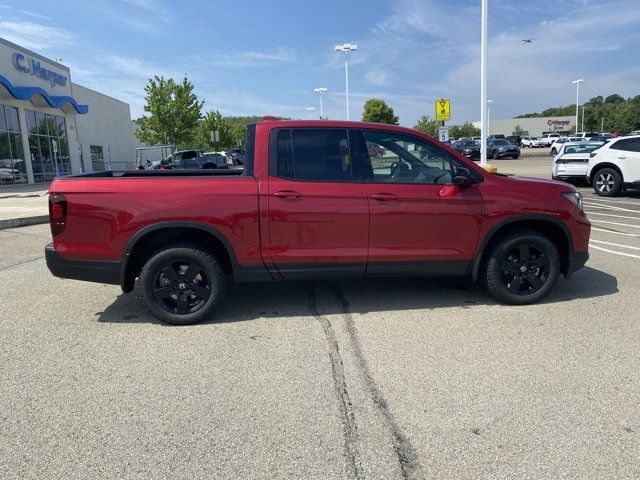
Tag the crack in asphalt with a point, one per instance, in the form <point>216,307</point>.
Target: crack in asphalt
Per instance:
<point>406,454</point>
<point>350,429</point>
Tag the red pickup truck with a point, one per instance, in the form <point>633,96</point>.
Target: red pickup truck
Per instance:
<point>313,202</point>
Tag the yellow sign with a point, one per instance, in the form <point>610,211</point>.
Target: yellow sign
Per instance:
<point>443,110</point>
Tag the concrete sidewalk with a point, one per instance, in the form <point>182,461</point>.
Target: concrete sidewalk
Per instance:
<point>22,205</point>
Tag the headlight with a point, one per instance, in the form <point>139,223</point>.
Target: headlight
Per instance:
<point>574,197</point>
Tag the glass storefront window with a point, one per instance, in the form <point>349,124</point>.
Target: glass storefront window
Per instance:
<point>44,130</point>
<point>12,166</point>
<point>97,158</point>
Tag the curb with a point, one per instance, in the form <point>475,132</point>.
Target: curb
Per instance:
<point>23,222</point>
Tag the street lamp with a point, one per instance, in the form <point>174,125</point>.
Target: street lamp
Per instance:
<point>483,85</point>
<point>582,127</point>
<point>489,102</point>
<point>577,83</point>
<point>346,48</point>
<point>310,109</point>
<point>320,91</point>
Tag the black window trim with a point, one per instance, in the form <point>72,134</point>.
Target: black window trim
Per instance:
<point>273,154</point>
<point>355,156</point>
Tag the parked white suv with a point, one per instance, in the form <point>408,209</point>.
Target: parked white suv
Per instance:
<point>531,142</point>
<point>548,138</point>
<point>615,166</point>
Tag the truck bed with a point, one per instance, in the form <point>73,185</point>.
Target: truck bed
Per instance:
<point>160,173</point>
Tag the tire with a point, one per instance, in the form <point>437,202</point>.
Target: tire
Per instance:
<point>177,294</point>
<point>515,157</point>
<point>494,155</point>
<point>521,268</point>
<point>607,182</point>
<point>554,152</point>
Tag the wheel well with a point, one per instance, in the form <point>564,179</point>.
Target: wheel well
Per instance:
<point>549,229</point>
<point>153,241</point>
<point>600,166</point>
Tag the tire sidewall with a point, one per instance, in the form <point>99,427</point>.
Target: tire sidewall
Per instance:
<point>617,188</point>
<point>204,259</point>
<point>492,277</point>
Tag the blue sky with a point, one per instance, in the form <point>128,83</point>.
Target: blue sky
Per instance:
<point>266,57</point>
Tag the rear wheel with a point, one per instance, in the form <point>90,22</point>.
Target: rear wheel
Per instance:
<point>521,268</point>
<point>607,182</point>
<point>182,284</point>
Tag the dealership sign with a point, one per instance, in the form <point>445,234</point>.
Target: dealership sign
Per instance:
<point>32,66</point>
<point>558,123</point>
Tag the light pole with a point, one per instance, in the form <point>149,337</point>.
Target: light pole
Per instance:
<point>582,127</point>
<point>577,82</point>
<point>483,85</point>
<point>346,48</point>
<point>489,102</point>
<point>320,91</point>
<point>310,109</point>
<point>602,126</point>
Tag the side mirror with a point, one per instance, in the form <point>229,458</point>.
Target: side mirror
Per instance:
<point>462,177</point>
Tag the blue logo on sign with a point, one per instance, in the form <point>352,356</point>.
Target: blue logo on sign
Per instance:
<point>33,67</point>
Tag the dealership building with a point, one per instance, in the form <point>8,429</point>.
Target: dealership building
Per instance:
<point>51,126</point>
<point>532,126</point>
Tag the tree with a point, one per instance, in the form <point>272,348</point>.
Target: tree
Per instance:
<point>377,111</point>
<point>465,130</point>
<point>213,121</point>
<point>518,131</point>
<point>427,125</point>
<point>615,98</point>
<point>174,111</point>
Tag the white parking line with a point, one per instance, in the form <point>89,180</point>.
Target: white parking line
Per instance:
<point>614,244</point>
<point>596,229</point>
<point>599,206</point>
<point>600,199</point>
<point>614,252</point>
<point>615,223</point>
<point>615,216</point>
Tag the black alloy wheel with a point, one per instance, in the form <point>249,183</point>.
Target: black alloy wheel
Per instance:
<point>525,269</point>
<point>183,283</point>
<point>182,287</point>
<point>521,267</point>
<point>494,155</point>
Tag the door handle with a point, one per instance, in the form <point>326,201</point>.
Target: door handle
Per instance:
<point>622,158</point>
<point>384,197</point>
<point>287,194</point>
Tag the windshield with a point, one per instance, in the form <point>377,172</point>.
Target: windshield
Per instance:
<point>500,142</point>
<point>467,143</point>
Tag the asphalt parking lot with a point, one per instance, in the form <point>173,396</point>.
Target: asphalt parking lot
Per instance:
<point>384,378</point>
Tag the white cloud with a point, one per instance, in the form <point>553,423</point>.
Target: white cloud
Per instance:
<point>34,35</point>
<point>248,59</point>
<point>378,78</point>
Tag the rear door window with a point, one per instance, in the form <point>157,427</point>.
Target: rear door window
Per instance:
<point>320,155</point>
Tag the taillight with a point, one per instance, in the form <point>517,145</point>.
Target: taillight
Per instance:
<point>57,213</point>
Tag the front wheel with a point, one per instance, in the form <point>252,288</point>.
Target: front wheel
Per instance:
<point>182,284</point>
<point>494,155</point>
<point>554,152</point>
<point>521,268</point>
<point>515,157</point>
<point>607,182</point>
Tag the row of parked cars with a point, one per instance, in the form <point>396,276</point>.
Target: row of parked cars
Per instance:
<point>609,164</point>
<point>498,146</point>
<point>196,160</point>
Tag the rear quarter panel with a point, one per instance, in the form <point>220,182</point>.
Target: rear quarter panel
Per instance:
<point>104,213</point>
